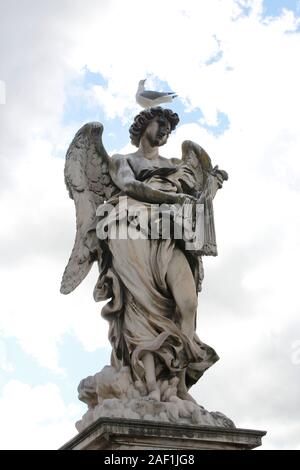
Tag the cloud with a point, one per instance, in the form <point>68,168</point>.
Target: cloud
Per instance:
<point>239,63</point>
<point>36,240</point>
<point>44,420</point>
<point>5,365</point>
<point>2,92</point>
<point>262,382</point>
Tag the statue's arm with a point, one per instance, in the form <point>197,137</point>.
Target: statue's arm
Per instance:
<point>123,176</point>
<point>176,161</point>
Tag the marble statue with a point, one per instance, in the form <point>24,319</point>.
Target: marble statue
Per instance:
<point>150,277</point>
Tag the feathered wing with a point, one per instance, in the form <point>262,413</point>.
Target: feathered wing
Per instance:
<point>198,162</point>
<point>208,180</point>
<point>89,184</point>
<point>153,95</point>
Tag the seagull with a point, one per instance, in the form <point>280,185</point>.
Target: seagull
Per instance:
<point>147,98</point>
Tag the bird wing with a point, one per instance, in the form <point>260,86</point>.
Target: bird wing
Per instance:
<point>153,95</point>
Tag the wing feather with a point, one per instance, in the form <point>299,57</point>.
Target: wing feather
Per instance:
<point>208,181</point>
<point>153,95</point>
<point>89,185</point>
<point>198,161</point>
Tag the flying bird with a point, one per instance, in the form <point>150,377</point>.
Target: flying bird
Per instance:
<point>147,98</point>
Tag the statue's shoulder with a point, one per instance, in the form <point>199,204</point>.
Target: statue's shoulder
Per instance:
<point>119,161</point>
<point>175,161</point>
<point>117,158</point>
<point>121,156</point>
<point>131,158</point>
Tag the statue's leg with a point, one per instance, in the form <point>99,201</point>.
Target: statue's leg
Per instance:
<point>153,389</point>
<point>182,390</point>
<point>181,283</point>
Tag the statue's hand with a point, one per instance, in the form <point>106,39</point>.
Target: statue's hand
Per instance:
<point>182,198</point>
<point>221,175</point>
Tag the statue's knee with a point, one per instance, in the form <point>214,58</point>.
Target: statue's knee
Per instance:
<point>191,305</point>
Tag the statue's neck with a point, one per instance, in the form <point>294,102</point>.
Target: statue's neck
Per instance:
<point>147,151</point>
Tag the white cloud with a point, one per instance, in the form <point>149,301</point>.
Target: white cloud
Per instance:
<point>36,241</point>
<point>250,305</point>
<point>5,365</point>
<point>2,92</point>
<point>44,421</point>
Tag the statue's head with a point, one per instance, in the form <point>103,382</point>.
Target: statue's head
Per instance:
<point>155,123</point>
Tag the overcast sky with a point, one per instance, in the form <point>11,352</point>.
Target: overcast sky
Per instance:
<point>235,67</point>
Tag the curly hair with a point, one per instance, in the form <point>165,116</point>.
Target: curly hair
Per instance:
<point>142,120</point>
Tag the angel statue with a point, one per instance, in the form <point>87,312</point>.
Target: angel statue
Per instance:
<point>151,282</point>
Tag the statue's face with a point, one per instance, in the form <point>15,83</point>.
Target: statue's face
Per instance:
<point>158,131</point>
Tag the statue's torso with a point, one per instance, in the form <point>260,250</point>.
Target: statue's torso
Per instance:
<point>162,173</point>
<point>139,163</point>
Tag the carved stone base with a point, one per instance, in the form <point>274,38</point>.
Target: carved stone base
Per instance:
<point>113,394</point>
<point>126,434</point>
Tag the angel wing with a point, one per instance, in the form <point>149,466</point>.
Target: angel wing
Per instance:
<point>89,184</point>
<point>207,180</point>
<point>199,162</point>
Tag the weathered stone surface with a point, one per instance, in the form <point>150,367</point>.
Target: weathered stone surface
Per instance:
<point>123,434</point>
<point>113,394</point>
<point>151,279</point>
<point>150,272</point>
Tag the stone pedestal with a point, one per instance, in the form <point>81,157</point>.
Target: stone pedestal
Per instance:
<point>127,434</point>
